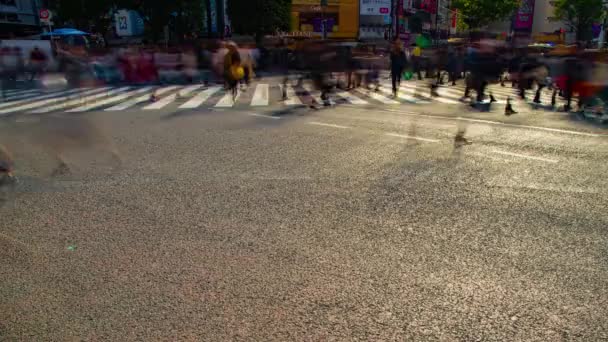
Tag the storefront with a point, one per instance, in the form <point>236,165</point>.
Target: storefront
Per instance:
<point>340,17</point>
<point>376,19</point>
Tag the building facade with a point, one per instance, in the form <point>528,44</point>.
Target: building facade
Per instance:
<point>341,18</point>
<point>19,18</point>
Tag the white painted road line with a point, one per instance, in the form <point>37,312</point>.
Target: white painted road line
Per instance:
<point>411,137</point>
<point>189,89</point>
<point>161,102</point>
<point>264,116</point>
<point>143,98</point>
<point>112,99</point>
<point>227,100</point>
<point>260,96</point>
<point>497,123</point>
<point>376,96</point>
<point>525,156</point>
<point>22,95</point>
<point>316,95</point>
<point>292,98</point>
<point>79,101</point>
<point>350,98</point>
<point>51,98</point>
<point>415,89</point>
<point>327,125</point>
<point>387,89</point>
<point>201,97</point>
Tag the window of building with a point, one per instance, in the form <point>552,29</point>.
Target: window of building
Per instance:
<point>8,3</point>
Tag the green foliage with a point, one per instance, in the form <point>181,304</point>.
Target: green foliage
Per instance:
<point>478,13</point>
<point>579,15</point>
<point>259,16</point>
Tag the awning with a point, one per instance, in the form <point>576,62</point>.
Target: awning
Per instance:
<point>65,32</point>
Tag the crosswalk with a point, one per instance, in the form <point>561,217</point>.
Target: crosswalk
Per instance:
<point>148,98</point>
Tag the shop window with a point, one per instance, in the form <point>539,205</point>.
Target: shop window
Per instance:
<point>312,22</point>
<point>8,3</point>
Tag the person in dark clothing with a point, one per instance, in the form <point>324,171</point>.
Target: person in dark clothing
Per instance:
<point>398,62</point>
<point>571,69</point>
<point>37,62</point>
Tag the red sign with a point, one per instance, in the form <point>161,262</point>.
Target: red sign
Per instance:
<point>429,6</point>
<point>44,14</point>
<point>524,17</point>
<point>384,10</point>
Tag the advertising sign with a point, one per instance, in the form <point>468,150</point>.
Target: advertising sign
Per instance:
<point>129,23</point>
<point>375,7</point>
<point>524,16</point>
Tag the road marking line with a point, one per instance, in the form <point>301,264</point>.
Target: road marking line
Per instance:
<point>316,95</point>
<point>260,95</point>
<point>161,103</point>
<point>143,98</point>
<point>201,97</point>
<point>411,137</point>
<point>525,156</point>
<point>327,125</point>
<point>420,99</point>
<point>387,89</point>
<point>379,97</point>
<point>52,98</point>
<point>80,101</point>
<point>264,116</point>
<point>189,89</point>
<point>109,100</point>
<point>556,130</point>
<point>292,98</point>
<point>21,95</point>
<point>227,100</point>
<point>351,98</point>
<point>434,98</point>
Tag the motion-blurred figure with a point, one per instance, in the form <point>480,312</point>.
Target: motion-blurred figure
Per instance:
<point>10,65</point>
<point>6,164</point>
<point>398,64</point>
<point>37,63</point>
<point>233,71</point>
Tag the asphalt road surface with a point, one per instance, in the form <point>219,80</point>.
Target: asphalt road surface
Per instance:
<point>346,223</point>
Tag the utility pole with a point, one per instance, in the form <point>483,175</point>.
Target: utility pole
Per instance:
<point>323,23</point>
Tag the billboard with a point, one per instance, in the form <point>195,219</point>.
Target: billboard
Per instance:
<point>524,17</point>
<point>375,7</point>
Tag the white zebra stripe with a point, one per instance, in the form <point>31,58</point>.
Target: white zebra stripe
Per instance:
<point>54,98</point>
<point>200,98</point>
<point>260,96</point>
<point>112,99</point>
<point>143,98</point>
<point>79,101</point>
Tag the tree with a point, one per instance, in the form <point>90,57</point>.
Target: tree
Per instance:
<point>479,13</point>
<point>259,17</point>
<point>579,15</point>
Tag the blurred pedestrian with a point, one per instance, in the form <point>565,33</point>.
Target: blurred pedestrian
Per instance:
<point>6,163</point>
<point>398,63</point>
<point>417,61</point>
<point>233,71</point>
<point>9,66</point>
<point>37,63</point>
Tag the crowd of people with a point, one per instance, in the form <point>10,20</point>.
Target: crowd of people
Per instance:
<point>565,70</point>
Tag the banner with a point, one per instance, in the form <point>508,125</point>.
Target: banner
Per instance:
<point>429,6</point>
<point>375,7</point>
<point>524,17</point>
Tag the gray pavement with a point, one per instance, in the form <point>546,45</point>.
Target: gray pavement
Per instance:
<point>288,224</point>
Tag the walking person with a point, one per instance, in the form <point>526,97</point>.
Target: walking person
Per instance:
<point>398,61</point>
<point>37,63</point>
<point>9,66</point>
<point>233,71</point>
<point>417,61</point>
